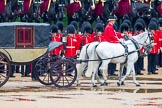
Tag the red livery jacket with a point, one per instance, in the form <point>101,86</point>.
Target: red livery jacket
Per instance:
<point>2,6</point>
<point>110,34</point>
<point>71,46</point>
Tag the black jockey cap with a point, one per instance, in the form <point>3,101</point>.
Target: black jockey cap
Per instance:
<point>141,21</point>
<point>54,29</point>
<point>138,26</point>
<point>70,29</point>
<point>60,25</point>
<point>124,27</point>
<point>128,22</point>
<point>112,17</point>
<point>160,22</point>
<point>75,24</point>
<point>152,25</point>
<point>99,27</point>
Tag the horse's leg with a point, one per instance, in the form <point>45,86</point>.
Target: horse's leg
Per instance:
<point>134,76</point>
<point>79,70</point>
<point>94,71</point>
<point>129,68</point>
<point>102,68</point>
<point>121,72</point>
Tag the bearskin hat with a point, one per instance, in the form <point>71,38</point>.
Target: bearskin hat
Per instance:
<point>54,29</point>
<point>83,24</point>
<point>152,26</point>
<point>124,27</point>
<point>128,22</point>
<point>75,24</point>
<point>154,20</point>
<point>141,21</point>
<point>160,22</point>
<point>70,29</point>
<point>99,27</point>
<point>60,25</point>
<point>87,28</point>
<point>138,26</point>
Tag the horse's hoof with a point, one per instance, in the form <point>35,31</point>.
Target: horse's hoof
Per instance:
<point>94,85</point>
<point>138,85</point>
<point>78,84</point>
<point>122,83</point>
<point>104,84</point>
<point>118,84</point>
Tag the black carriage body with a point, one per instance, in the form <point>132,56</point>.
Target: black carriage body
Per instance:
<point>10,33</point>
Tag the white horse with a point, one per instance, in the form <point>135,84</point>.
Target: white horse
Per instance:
<point>85,54</point>
<point>115,53</point>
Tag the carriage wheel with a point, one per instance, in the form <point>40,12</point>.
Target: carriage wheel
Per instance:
<point>42,69</point>
<point>63,73</point>
<point>5,67</point>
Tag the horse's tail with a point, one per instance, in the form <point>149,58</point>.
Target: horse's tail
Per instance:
<point>92,65</point>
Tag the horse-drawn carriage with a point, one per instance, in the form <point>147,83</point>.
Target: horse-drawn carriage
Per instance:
<point>26,43</point>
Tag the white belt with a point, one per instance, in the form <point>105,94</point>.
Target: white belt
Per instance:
<point>70,46</point>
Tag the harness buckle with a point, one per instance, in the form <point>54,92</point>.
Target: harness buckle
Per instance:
<point>125,54</point>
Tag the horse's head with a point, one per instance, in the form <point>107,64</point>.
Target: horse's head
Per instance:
<point>148,44</point>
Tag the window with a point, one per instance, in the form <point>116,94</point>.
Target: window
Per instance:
<point>24,37</point>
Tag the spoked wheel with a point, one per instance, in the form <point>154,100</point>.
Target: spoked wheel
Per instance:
<point>42,69</point>
<point>5,67</point>
<point>63,73</point>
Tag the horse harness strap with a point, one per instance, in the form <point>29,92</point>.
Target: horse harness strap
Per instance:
<point>126,51</point>
<point>86,51</point>
<point>136,45</point>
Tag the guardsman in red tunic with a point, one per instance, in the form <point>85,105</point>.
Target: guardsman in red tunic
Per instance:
<point>55,38</point>
<point>26,5</point>
<point>152,57</point>
<point>87,36</point>
<point>99,33</point>
<point>2,9</point>
<point>109,32</point>
<point>72,43</point>
<point>160,43</point>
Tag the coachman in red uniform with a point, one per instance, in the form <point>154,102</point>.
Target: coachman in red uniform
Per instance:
<point>109,32</point>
